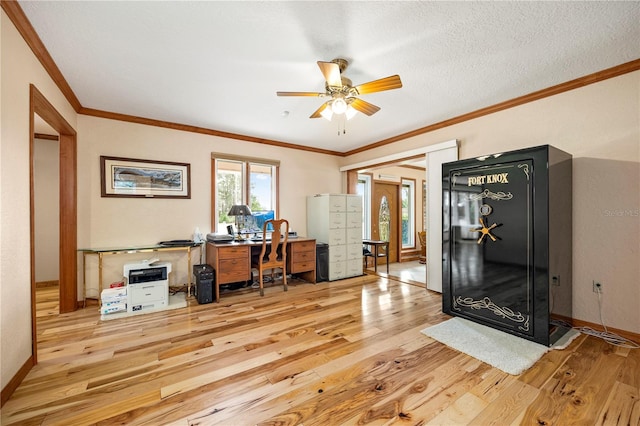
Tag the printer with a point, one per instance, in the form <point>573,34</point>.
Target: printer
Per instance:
<point>219,238</point>
<point>147,285</point>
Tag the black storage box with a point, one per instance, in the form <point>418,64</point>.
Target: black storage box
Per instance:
<point>322,262</point>
<point>205,278</point>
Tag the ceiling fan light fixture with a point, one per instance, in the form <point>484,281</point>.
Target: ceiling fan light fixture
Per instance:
<point>343,96</point>
<point>339,106</point>
<point>327,113</point>
<point>350,112</point>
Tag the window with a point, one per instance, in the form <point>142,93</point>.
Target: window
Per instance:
<point>408,213</point>
<point>364,190</point>
<point>243,180</point>
<point>384,219</point>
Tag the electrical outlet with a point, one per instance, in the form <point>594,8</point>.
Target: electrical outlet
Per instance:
<point>597,286</point>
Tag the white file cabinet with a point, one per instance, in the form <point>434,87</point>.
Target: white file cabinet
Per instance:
<point>336,219</point>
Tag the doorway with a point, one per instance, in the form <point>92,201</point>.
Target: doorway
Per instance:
<point>46,212</point>
<point>384,216</point>
<point>67,276</point>
<point>429,160</point>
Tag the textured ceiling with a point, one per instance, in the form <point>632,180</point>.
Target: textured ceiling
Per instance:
<point>218,65</point>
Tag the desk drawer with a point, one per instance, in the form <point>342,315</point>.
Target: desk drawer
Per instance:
<point>233,270</point>
<point>297,267</point>
<point>303,246</point>
<point>233,252</point>
<point>303,256</point>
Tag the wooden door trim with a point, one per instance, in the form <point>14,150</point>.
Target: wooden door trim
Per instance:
<point>38,104</point>
<point>352,181</point>
<point>398,213</point>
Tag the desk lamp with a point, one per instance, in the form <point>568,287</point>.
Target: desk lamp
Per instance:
<point>239,210</point>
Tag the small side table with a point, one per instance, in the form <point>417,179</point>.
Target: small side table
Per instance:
<point>377,245</point>
<point>152,248</point>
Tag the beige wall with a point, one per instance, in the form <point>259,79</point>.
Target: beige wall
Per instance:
<point>19,68</point>
<point>110,222</point>
<point>600,126</point>
<point>46,182</point>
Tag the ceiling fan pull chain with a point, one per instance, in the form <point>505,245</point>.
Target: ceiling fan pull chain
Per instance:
<point>342,122</point>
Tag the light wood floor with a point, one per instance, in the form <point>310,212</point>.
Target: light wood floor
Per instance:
<point>412,272</point>
<point>346,352</point>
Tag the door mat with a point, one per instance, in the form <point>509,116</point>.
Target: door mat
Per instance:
<point>501,350</point>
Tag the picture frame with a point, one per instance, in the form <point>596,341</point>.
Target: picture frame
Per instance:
<point>131,177</point>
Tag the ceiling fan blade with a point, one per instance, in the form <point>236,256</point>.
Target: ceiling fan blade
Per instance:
<point>318,112</point>
<point>331,72</point>
<point>314,94</point>
<point>364,106</point>
<point>387,83</point>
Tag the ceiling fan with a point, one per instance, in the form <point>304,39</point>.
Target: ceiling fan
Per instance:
<point>343,93</point>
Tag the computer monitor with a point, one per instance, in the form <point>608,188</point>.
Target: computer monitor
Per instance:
<point>260,217</point>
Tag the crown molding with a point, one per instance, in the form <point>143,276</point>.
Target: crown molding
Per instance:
<point>24,27</point>
<point>534,96</point>
<point>195,129</point>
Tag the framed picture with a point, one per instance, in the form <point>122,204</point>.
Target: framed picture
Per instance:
<point>130,177</point>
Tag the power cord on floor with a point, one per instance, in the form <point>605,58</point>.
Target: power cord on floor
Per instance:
<point>606,335</point>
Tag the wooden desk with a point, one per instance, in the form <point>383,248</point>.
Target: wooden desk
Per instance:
<point>232,261</point>
<point>377,244</point>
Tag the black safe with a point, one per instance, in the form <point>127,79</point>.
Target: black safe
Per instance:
<point>507,250</point>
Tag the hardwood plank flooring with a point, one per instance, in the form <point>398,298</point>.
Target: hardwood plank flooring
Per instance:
<point>345,352</point>
<point>412,272</point>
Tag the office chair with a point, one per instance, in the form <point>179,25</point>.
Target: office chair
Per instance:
<point>274,251</point>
